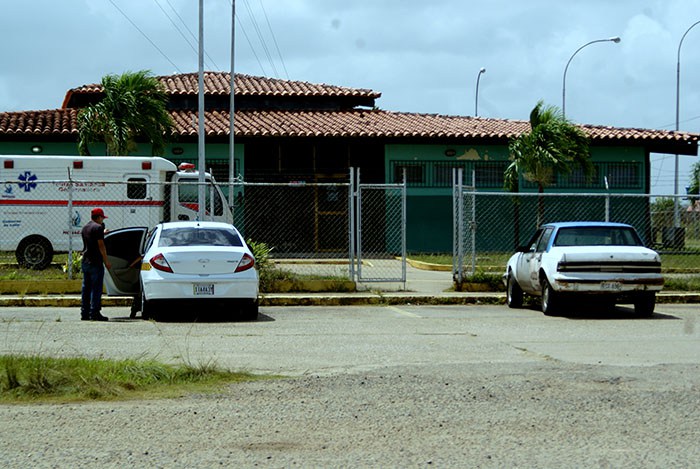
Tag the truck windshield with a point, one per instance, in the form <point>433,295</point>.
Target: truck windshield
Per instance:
<point>188,190</point>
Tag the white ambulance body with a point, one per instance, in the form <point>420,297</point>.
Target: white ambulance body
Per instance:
<point>40,215</point>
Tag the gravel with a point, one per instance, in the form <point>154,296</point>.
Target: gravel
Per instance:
<point>540,414</point>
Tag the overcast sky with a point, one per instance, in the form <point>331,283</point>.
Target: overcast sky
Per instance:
<point>423,56</point>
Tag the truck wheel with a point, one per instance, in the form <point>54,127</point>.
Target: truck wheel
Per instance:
<point>514,294</point>
<point>550,299</point>
<point>34,252</point>
<point>644,305</point>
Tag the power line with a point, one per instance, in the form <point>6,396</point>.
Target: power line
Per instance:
<point>145,36</point>
<point>260,37</point>
<point>274,39</point>
<point>177,28</point>
<point>194,38</point>
<point>245,34</point>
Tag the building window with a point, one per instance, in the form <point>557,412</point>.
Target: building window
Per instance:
<point>489,174</point>
<point>439,174</point>
<point>415,173</point>
<point>623,175</point>
<point>442,173</point>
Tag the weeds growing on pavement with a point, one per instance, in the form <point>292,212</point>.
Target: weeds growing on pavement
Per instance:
<point>29,378</point>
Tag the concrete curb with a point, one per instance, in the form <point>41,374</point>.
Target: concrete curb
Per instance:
<point>326,299</point>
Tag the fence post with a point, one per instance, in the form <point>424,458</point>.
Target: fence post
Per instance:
<point>472,225</point>
<point>607,200</point>
<point>70,226</point>
<point>403,228</point>
<point>359,226</point>
<point>458,228</point>
<point>351,223</point>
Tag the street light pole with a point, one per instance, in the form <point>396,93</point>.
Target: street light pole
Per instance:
<point>676,204</point>
<point>614,39</point>
<point>482,70</point>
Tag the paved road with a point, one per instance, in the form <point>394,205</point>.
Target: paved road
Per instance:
<point>318,340</point>
<point>408,386</point>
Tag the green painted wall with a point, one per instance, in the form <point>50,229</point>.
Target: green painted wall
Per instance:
<point>429,204</point>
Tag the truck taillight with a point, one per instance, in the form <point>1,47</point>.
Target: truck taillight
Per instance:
<point>8,164</point>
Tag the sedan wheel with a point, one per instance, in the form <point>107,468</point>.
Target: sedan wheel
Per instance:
<point>250,311</point>
<point>146,306</point>
<point>514,294</point>
<point>549,299</point>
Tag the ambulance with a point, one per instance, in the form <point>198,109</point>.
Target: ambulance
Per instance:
<point>46,200</point>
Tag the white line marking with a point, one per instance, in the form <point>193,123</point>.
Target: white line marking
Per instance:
<point>403,312</point>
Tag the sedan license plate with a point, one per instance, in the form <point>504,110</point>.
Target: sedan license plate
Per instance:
<point>203,289</point>
<point>611,286</point>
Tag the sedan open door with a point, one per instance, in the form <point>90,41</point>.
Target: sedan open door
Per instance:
<point>124,251</point>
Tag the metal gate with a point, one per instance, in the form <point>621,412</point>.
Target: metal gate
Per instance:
<point>463,228</point>
<point>378,231</point>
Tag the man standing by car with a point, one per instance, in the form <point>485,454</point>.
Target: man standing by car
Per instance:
<point>93,264</point>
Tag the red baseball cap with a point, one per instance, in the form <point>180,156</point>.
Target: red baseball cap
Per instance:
<point>98,212</point>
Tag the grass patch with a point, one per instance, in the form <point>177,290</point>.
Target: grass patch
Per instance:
<point>35,378</point>
<point>685,283</point>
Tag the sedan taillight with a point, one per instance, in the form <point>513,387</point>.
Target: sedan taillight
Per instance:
<point>159,263</point>
<point>246,263</point>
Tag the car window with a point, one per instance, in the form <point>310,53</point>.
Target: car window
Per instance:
<point>532,244</point>
<point>544,240</point>
<point>197,236</point>
<point>597,236</point>
<point>149,240</point>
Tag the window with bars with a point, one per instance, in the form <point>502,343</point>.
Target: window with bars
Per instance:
<point>436,174</point>
<point>623,175</point>
<point>415,172</point>
<point>620,176</point>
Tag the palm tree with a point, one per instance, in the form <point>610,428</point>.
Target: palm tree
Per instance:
<point>133,106</point>
<point>553,146</point>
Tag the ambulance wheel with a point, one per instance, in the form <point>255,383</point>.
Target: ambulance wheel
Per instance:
<point>34,252</point>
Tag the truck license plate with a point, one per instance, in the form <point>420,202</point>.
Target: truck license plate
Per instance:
<point>203,289</point>
<point>611,286</point>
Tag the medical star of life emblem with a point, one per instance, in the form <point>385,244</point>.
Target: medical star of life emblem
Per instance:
<point>27,181</point>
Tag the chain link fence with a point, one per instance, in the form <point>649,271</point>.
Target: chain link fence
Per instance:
<point>308,227</point>
<point>490,226</point>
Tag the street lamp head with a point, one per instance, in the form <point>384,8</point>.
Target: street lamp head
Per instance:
<point>615,39</point>
<point>482,70</point>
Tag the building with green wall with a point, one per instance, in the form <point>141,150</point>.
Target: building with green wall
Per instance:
<point>304,132</point>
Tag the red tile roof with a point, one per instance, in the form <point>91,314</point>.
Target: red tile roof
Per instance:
<point>337,123</point>
<point>219,83</point>
<point>351,123</point>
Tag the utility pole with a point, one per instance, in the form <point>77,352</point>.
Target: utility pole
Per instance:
<point>201,194</point>
<point>232,152</point>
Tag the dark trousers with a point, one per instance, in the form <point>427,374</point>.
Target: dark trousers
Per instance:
<point>91,302</point>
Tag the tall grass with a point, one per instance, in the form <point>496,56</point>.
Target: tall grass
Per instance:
<point>33,377</point>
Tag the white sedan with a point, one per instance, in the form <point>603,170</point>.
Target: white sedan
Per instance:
<point>205,263</point>
<point>579,260</point>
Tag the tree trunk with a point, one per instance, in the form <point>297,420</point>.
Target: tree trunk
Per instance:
<point>540,206</point>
